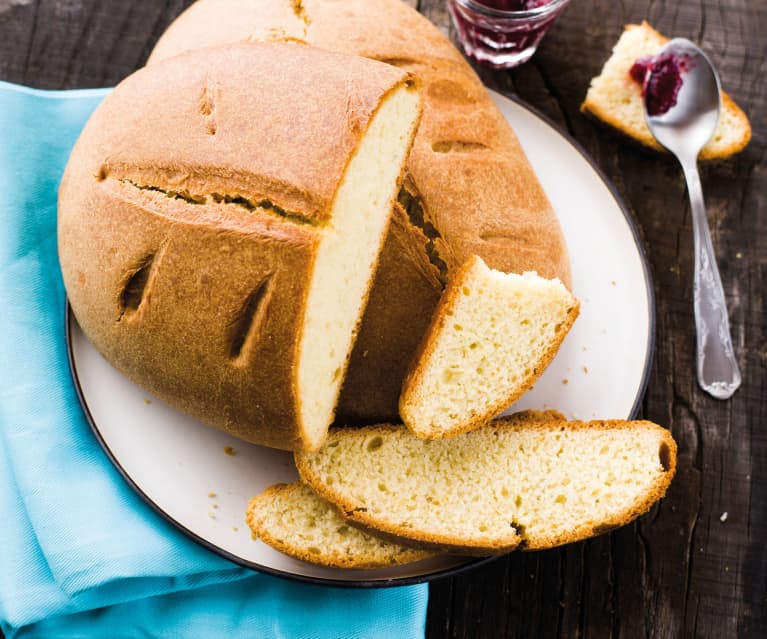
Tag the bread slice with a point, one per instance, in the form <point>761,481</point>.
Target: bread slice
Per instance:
<point>616,98</point>
<point>295,520</point>
<point>518,481</point>
<point>220,220</point>
<point>492,336</point>
<point>469,188</point>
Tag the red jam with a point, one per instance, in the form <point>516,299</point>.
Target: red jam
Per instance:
<point>513,5</point>
<point>661,78</point>
<point>639,69</point>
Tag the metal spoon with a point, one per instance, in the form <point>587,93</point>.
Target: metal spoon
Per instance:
<point>684,129</point>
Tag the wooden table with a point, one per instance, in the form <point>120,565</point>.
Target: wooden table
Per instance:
<point>696,565</point>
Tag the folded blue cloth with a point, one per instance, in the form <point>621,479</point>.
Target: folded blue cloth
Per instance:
<point>81,554</point>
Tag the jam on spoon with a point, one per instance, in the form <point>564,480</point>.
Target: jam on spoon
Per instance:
<point>661,78</point>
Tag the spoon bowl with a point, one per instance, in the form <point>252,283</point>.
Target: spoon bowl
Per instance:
<point>686,119</point>
<point>682,104</point>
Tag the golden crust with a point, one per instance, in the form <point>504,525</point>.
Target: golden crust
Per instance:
<point>411,384</point>
<point>476,190</point>
<point>358,511</point>
<point>187,232</point>
<point>603,111</point>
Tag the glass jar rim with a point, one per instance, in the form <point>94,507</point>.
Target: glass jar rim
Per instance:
<point>502,13</point>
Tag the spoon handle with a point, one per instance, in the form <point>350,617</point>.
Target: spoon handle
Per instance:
<point>717,368</point>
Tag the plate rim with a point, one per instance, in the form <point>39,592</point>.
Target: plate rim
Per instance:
<point>470,563</point>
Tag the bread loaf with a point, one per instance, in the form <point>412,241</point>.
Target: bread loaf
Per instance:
<point>492,336</point>
<point>220,219</point>
<point>295,520</point>
<point>518,481</point>
<point>616,98</point>
<point>469,188</point>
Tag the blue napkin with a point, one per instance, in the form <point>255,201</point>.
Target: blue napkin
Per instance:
<point>80,554</point>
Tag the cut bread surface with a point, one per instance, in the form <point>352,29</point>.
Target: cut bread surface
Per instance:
<point>492,336</point>
<point>616,98</point>
<point>293,519</point>
<point>347,256</point>
<point>516,481</point>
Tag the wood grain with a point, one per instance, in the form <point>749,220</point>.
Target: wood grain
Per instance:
<point>684,570</point>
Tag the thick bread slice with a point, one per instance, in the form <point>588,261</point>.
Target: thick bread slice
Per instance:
<point>295,520</point>
<point>469,187</point>
<point>492,336</point>
<point>220,220</point>
<point>616,98</point>
<point>516,481</point>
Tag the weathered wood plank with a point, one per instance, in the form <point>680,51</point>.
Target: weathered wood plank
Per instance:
<point>58,44</point>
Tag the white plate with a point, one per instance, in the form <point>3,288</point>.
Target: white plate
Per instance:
<point>182,469</point>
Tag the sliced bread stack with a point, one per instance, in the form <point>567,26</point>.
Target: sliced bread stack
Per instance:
<point>526,481</point>
<point>616,98</point>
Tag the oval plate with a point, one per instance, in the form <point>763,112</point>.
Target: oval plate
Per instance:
<point>201,479</point>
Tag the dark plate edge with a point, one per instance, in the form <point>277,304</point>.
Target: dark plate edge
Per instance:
<point>401,581</point>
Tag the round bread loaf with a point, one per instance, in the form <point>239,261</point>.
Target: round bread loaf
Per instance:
<point>220,219</point>
<point>469,188</point>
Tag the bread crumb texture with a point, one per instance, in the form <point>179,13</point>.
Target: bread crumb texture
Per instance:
<point>493,335</point>
<point>616,98</point>
<point>295,520</point>
<point>516,481</point>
